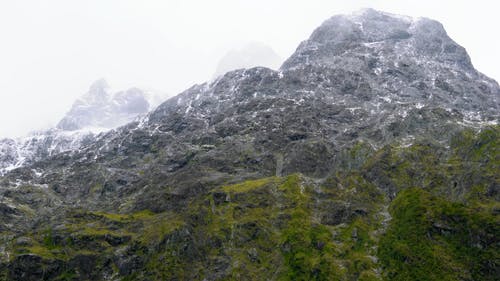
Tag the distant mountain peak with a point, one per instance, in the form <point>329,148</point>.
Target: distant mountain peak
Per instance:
<point>98,92</point>
<point>250,55</point>
<point>99,86</point>
<point>97,111</point>
<point>99,108</point>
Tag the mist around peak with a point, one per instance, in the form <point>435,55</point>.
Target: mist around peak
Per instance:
<point>249,55</point>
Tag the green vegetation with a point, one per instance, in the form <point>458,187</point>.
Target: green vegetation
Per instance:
<point>307,247</point>
<point>443,224</point>
<point>248,185</point>
<point>431,238</point>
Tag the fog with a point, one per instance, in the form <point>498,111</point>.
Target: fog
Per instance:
<point>51,51</point>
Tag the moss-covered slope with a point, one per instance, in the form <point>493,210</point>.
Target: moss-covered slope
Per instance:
<point>422,212</point>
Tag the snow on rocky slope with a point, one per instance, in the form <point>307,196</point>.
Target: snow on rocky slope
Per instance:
<point>97,111</point>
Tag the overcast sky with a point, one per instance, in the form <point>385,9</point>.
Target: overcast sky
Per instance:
<point>52,50</point>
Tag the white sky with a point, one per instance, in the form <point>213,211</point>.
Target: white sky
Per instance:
<point>52,50</point>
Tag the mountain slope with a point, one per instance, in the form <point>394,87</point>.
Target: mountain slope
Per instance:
<point>315,171</point>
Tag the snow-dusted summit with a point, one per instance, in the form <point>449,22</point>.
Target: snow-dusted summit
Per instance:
<point>97,111</point>
<point>399,60</point>
<point>384,36</point>
<point>99,108</point>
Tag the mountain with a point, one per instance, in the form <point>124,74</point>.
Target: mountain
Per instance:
<point>95,112</point>
<point>371,154</point>
<point>99,108</point>
<point>250,55</point>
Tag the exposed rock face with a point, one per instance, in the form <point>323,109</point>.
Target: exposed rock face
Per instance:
<point>381,36</point>
<point>370,105</point>
<point>410,60</point>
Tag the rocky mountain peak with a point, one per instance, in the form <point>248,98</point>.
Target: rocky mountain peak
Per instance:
<point>98,92</point>
<point>102,109</point>
<point>372,33</point>
<point>99,86</point>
